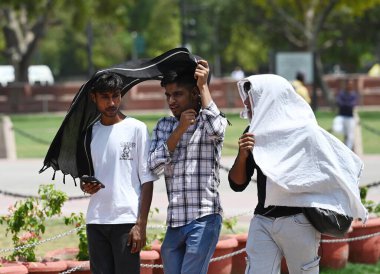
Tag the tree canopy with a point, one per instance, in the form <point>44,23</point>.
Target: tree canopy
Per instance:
<point>76,37</point>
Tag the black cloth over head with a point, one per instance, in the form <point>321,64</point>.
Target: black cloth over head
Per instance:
<point>66,152</point>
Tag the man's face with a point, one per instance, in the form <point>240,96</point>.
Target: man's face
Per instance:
<point>350,85</point>
<point>247,104</point>
<point>180,98</point>
<point>247,113</point>
<point>107,103</point>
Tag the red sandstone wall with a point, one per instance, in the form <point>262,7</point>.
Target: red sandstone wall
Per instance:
<point>150,95</point>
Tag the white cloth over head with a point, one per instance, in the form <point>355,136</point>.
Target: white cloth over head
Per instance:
<point>305,165</point>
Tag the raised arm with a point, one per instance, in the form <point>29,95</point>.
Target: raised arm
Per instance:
<point>214,122</point>
<point>201,74</point>
<point>242,170</point>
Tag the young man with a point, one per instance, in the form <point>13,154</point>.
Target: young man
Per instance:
<point>300,88</point>
<point>188,148</point>
<point>117,214</point>
<point>298,164</point>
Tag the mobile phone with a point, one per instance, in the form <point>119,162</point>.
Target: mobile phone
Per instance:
<point>91,180</point>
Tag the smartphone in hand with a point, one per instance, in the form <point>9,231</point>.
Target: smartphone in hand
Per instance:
<point>91,180</point>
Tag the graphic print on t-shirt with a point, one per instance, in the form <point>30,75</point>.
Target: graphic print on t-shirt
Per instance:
<point>126,150</point>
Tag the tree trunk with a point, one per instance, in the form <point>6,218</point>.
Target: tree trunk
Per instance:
<point>326,92</point>
<point>22,36</point>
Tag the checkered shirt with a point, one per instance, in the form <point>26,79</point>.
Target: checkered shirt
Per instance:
<point>192,170</point>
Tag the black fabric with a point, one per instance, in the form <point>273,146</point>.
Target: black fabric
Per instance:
<point>83,156</point>
<point>108,249</point>
<point>270,211</point>
<point>67,151</point>
<point>327,221</point>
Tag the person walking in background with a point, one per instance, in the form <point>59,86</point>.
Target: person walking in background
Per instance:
<point>117,147</point>
<point>187,147</point>
<point>346,100</point>
<point>300,88</point>
<point>298,164</point>
<point>237,73</point>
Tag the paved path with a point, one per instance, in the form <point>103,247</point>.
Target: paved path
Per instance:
<point>22,177</point>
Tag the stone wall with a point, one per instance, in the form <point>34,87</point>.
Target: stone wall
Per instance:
<point>150,95</point>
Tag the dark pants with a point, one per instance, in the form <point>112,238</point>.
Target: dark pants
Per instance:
<point>109,253</point>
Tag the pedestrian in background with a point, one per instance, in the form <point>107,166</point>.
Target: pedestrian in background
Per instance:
<point>300,88</point>
<point>237,73</point>
<point>347,99</point>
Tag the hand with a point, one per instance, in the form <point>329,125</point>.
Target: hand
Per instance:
<point>187,119</point>
<point>201,73</point>
<point>137,238</point>
<point>89,188</point>
<point>246,143</point>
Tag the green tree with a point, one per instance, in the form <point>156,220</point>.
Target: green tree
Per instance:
<point>245,39</point>
<point>26,23</point>
<point>163,29</point>
<point>359,45</point>
<point>314,25</point>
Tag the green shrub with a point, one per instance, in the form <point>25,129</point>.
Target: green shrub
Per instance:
<point>26,220</point>
<point>372,207</point>
<point>79,221</point>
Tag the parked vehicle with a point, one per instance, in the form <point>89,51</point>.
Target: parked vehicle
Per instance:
<point>7,75</point>
<point>37,74</point>
<point>40,74</point>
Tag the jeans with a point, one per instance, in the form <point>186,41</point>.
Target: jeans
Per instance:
<point>292,237</point>
<point>189,248</point>
<point>109,252</point>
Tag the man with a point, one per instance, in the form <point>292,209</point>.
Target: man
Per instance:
<point>346,100</point>
<point>237,74</point>
<point>299,86</point>
<point>188,148</point>
<point>298,164</point>
<point>65,154</point>
<point>117,214</point>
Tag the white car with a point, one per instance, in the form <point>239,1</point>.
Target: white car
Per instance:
<point>40,74</point>
<point>7,75</point>
<point>37,74</point>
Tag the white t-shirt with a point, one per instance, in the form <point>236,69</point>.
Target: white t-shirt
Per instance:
<point>119,155</point>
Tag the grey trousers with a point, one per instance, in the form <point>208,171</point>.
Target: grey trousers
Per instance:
<point>292,237</point>
<point>108,249</point>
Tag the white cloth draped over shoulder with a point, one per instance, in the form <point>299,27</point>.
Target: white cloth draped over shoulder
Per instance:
<point>305,165</point>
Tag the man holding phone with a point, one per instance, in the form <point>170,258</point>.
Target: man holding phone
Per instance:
<point>120,185</point>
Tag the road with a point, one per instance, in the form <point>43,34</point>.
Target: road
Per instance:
<point>22,177</point>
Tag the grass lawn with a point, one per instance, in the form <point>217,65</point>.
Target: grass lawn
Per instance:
<point>354,269</point>
<point>34,132</point>
<point>370,123</point>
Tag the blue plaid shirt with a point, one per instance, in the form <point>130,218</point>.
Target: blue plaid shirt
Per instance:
<point>192,170</point>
